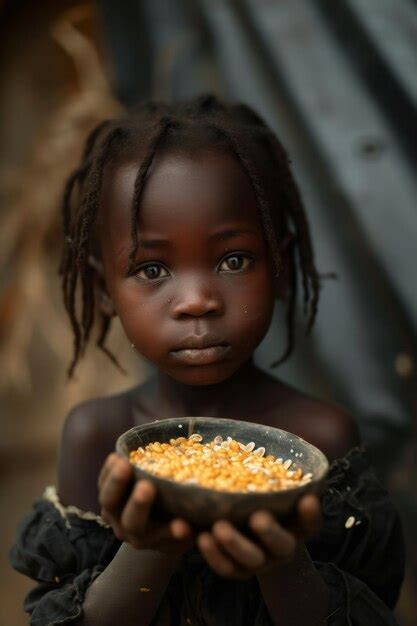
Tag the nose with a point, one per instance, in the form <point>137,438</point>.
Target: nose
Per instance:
<point>196,298</point>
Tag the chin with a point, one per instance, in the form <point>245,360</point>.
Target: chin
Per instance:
<point>201,376</point>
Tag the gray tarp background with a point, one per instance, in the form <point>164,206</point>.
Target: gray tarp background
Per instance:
<point>335,81</point>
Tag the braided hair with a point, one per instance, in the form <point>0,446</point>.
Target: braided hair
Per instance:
<point>153,126</point>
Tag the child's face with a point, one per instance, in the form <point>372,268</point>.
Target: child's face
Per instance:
<point>202,293</point>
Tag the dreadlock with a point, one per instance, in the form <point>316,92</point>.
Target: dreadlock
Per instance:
<point>152,126</point>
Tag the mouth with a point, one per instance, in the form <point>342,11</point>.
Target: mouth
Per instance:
<point>201,351</point>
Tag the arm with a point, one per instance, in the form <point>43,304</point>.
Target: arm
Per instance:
<point>303,596</point>
<point>295,594</point>
<point>116,596</point>
<point>293,591</point>
<point>124,505</point>
<point>350,574</point>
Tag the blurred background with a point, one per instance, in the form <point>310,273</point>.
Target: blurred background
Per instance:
<point>337,82</point>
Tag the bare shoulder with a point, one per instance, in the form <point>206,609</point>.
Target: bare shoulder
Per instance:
<point>331,428</point>
<point>326,425</point>
<point>88,436</point>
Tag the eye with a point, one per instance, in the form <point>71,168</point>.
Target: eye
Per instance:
<point>235,263</point>
<point>151,271</point>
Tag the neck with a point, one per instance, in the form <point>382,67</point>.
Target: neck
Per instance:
<point>176,399</point>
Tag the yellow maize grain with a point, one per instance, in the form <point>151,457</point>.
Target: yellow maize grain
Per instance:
<point>223,465</point>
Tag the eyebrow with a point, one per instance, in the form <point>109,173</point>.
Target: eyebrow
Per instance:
<point>142,243</point>
<point>231,232</point>
<point>152,243</point>
<point>223,235</point>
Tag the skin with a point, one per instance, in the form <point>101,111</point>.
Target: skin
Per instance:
<point>203,233</point>
<point>199,301</point>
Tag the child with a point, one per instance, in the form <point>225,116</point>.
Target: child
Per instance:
<point>185,221</point>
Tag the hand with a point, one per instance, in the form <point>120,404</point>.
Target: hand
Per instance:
<point>231,554</point>
<point>126,505</point>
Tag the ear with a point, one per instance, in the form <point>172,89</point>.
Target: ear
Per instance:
<point>283,278</point>
<point>103,299</point>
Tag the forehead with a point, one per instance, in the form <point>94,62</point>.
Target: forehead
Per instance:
<point>193,193</point>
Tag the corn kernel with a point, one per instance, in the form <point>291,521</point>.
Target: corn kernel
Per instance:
<point>223,465</point>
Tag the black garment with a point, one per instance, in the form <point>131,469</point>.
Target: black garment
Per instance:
<point>359,553</point>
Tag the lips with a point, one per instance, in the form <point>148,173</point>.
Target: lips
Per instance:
<point>201,350</point>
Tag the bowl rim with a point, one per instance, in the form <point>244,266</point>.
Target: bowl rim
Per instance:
<point>239,494</point>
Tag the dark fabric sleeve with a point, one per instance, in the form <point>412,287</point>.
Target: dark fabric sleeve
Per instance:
<point>360,551</point>
<point>64,555</point>
<point>352,603</point>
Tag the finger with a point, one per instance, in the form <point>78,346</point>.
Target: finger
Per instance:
<point>115,488</point>
<point>136,512</point>
<point>216,559</point>
<point>309,508</point>
<point>180,529</point>
<point>175,536</point>
<point>279,542</point>
<point>107,465</point>
<point>243,551</point>
<point>308,517</point>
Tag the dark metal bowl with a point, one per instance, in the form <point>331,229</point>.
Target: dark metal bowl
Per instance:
<point>201,506</point>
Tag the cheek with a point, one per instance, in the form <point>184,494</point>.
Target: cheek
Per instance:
<point>140,315</point>
<point>251,305</point>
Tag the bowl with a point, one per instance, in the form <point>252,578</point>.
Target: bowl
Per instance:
<point>201,506</point>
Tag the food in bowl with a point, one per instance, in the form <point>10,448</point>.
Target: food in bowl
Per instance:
<point>201,506</point>
<point>222,465</point>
